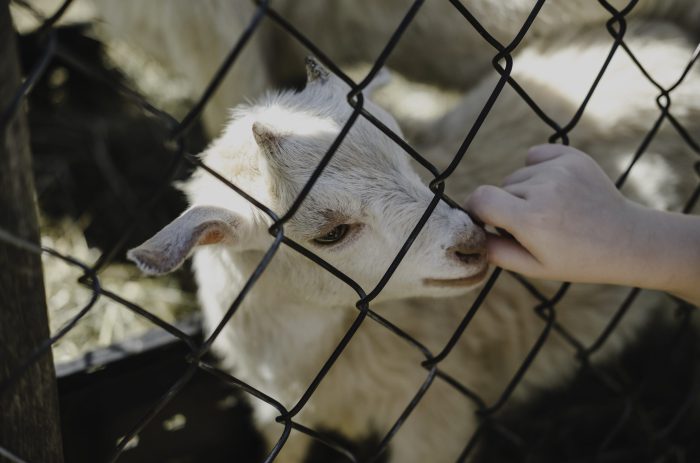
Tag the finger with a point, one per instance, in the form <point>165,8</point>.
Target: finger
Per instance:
<point>543,153</point>
<point>521,190</point>
<point>521,175</point>
<point>495,206</point>
<point>537,155</point>
<point>511,255</point>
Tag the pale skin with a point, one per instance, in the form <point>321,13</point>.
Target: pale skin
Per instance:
<point>569,223</point>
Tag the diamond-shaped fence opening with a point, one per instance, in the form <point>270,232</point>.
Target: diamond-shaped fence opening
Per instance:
<point>633,418</point>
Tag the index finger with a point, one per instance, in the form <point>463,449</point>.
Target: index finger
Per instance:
<point>495,206</point>
<point>543,153</point>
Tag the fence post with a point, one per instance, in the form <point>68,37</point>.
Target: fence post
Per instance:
<point>29,419</point>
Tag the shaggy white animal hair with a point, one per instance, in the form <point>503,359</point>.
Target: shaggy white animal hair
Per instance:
<point>360,212</point>
<point>439,47</point>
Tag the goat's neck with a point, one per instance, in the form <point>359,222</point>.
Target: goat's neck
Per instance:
<point>270,310</point>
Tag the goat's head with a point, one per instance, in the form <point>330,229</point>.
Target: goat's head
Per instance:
<point>357,216</point>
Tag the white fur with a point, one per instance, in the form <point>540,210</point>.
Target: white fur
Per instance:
<point>296,313</point>
<point>270,149</point>
<point>439,47</point>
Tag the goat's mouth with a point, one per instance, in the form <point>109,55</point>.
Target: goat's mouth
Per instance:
<point>458,282</point>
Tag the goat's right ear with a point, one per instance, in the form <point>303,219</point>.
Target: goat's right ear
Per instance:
<point>203,225</point>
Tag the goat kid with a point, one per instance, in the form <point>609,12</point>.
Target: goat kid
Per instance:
<point>356,217</point>
<point>362,209</point>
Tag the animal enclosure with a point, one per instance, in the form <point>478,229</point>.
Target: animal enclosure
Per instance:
<point>643,410</point>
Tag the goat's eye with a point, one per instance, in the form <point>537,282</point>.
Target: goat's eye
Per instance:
<point>333,236</point>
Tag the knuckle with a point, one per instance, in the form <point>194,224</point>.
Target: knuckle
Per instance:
<point>535,152</point>
<point>514,176</point>
<point>562,171</point>
<point>479,195</point>
<point>478,202</point>
<point>539,218</point>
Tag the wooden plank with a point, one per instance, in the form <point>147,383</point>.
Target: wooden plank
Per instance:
<point>29,419</point>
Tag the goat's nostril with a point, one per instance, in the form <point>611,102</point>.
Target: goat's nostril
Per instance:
<point>470,249</point>
<point>470,258</point>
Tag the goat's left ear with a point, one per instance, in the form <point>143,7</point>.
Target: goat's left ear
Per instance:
<point>203,225</point>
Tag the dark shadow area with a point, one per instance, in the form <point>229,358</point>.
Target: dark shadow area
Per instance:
<point>363,450</point>
<point>654,417</point>
<point>98,156</point>
<point>206,421</point>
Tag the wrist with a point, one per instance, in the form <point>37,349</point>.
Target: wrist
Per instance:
<point>631,257</point>
<point>668,246</point>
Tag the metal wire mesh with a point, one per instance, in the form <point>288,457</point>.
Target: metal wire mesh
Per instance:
<point>546,308</point>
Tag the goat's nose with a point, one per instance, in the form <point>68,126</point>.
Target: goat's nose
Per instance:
<point>470,250</point>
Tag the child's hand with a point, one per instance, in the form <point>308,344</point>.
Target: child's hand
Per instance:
<point>569,220</point>
<point>571,224</point>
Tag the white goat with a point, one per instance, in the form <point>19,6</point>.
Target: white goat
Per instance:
<point>439,47</point>
<point>360,212</point>
<point>297,311</point>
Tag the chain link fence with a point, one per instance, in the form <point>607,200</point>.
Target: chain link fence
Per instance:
<point>514,440</point>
